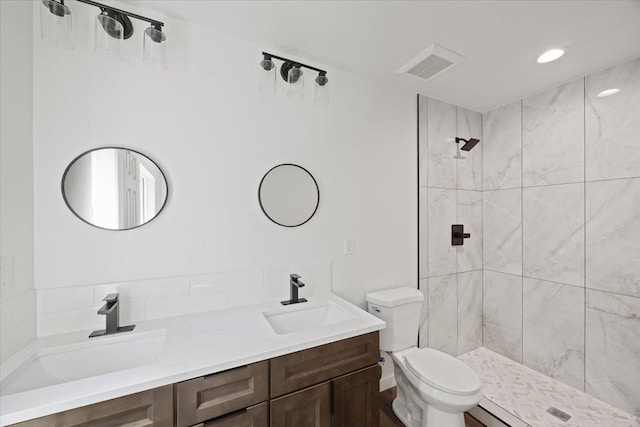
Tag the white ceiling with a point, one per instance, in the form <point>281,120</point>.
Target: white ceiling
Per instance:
<point>500,39</point>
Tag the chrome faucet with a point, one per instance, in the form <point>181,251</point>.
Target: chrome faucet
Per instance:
<point>295,283</point>
<point>111,310</point>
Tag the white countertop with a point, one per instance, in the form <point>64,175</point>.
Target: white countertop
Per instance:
<point>194,345</point>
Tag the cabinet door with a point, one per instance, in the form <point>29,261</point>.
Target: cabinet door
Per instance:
<point>145,409</point>
<point>310,407</point>
<point>305,368</point>
<point>356,399</point>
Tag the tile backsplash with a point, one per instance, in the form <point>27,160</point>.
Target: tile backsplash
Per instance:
<point>68,309</point>
<point>17,323</point>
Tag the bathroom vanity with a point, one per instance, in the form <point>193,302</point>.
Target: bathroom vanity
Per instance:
<point>333,385</point>
<point>322,375</point>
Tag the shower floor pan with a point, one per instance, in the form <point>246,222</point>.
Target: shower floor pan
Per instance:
<point>518,396</point>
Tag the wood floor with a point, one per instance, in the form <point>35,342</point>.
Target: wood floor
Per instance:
<point>389,419</point>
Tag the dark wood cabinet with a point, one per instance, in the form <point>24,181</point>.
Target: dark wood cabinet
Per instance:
<point>304,368</point>
<point>310,407</point>
<point>145,409</point>
<point>356,401</point>
<point>348,401</point>
<point>331,385</point>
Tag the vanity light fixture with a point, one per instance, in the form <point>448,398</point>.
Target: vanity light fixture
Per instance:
<point>56,23</point>
<point>267,84</point>
<point>292,72</point>
<point>608,92</point>
<point>112,27</point>
<point>550,55</point>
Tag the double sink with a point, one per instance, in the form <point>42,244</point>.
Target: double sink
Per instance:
<point>112,354</point>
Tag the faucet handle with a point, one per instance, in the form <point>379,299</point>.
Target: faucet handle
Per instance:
<point>111,297</point>
<point>295,277</point>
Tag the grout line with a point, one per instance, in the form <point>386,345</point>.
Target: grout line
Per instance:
<point>499,189</point>
<point>418,190</point>
<point>451,274</point>
<point>456,249</point>
<point>563,183</point>
<point>428,256</point>
<point>522,228</point>
<point>443,188</point>
<point>559,283</point>
<point>613,293</point>
<point>584,171</point>
<point>482,246</point>
<point>426,216</point>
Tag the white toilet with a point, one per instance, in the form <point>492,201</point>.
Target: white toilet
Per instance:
<point>434,388</point>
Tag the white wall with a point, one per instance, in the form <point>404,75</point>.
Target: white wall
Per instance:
<point>203,121</point>
<point>17,298</point>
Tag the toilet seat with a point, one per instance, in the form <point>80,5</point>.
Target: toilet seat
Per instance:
<point>443,372</point>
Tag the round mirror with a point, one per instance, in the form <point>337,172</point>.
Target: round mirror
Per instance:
<point>114,188</point>
<point>289,195</point>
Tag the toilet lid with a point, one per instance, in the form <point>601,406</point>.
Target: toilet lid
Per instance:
<point>443,371</point>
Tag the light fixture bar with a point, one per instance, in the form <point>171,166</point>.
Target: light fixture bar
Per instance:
<point>124,12</point>
<point>322,72</point>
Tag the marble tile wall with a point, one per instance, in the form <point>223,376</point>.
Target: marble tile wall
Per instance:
<point>450,192</point>
<point>561,243</point>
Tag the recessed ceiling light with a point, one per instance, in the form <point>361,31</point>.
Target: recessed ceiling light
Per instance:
<point>550,55</point>
<point>608,92</point>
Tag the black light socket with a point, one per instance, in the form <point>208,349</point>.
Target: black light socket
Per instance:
<point>122,19</point>
<point>267,63</point>
<point>295,75</point>
<point>322,79</point>
<point>57,8</point>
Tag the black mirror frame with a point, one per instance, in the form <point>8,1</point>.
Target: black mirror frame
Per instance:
<point>317,190</point>
<point>72,162</point>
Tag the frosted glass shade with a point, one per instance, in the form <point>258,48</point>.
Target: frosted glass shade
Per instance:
<point>155,48</point>
<point>322,91</point>
<point>295,87</point>
<point>109,35</point>
<point>267,85</point>
<point>56,24</point>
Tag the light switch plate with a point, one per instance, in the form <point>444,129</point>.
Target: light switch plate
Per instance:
<point>349,245</point>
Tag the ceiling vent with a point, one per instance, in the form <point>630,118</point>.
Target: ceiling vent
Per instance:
<point>430,62</point>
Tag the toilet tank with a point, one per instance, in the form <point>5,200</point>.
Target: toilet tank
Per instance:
<point>400,308</point>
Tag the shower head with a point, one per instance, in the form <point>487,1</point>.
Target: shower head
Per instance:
<point>469,143</point>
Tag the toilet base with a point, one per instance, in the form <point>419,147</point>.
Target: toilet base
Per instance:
<point>414,412</point>
<point>433,418</point>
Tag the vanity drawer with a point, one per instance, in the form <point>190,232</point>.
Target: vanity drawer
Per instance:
<point>312,366</point>
<point>218,394</point>
<point>255,416</point>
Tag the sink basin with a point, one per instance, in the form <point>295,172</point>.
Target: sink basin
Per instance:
<point>306,316</point>
<point>98,356</point>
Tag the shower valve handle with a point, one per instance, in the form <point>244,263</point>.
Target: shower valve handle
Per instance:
<point>458,235</point>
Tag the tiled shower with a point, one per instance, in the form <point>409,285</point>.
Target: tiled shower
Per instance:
<point>556,223</point>
<point>450,193</point>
